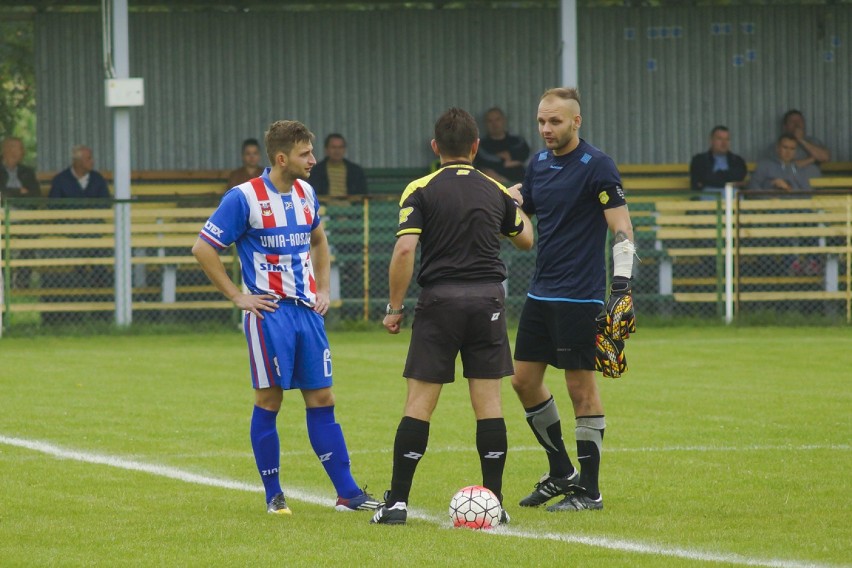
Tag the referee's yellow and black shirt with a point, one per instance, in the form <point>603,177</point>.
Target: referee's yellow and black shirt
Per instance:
<point>459,214</point>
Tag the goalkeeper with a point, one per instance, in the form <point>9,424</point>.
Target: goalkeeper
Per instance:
<point>575,191</point>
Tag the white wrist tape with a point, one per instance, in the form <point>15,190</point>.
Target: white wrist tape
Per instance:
<point>622,258</point>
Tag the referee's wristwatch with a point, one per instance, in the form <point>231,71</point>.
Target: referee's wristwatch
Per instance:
<point>392,312</point>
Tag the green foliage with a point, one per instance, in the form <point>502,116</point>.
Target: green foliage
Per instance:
<point>17,81</point>
<point>723,442</point>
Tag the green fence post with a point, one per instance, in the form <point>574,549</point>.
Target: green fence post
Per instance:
<point>7,254</point>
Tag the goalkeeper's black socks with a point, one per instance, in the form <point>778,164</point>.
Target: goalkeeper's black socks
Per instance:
<point>491,444</point>
<point>544,421</point>
<point>412,435</point>
<point>590,433</point>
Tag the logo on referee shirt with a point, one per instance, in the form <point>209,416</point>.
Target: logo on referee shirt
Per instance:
<point>404,213</point>
<point>495,316</point>
<point>265,209</point>
<point>603,197</point>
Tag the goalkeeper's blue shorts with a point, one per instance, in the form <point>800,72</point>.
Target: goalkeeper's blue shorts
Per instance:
<point>561,334</point>
<point>288,348</point>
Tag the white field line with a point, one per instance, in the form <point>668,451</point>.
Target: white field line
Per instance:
<point>606,450</point>
<point>308,497</point>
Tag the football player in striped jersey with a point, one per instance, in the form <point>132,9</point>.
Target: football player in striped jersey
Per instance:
<point>274,221</point>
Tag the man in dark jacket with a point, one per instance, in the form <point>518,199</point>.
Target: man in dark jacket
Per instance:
<point>80,180</point>
<point>16,179</point>
<point>335,175</point>
<point>710,171</point>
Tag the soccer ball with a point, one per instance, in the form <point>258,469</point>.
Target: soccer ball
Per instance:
<point>475,507</point>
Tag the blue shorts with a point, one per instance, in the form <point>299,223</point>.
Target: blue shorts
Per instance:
<point>288,348</point>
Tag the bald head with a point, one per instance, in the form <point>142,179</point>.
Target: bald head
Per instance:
<point>559,119</point>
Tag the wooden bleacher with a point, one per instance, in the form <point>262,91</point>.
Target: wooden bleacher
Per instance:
<point>59,245</point>
<point>768,231</point>
<point>675,235</point>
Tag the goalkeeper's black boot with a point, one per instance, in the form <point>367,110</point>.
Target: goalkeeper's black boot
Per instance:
<point>577,500</point>
<point>549,487</point>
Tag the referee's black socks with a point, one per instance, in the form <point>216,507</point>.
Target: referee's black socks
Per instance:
<point>491,444</point>
<point>412,435</point>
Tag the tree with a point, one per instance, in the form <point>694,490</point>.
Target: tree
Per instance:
<point>17,79</point>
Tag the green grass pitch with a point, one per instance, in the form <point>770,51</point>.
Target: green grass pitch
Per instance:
<point>724,446</point>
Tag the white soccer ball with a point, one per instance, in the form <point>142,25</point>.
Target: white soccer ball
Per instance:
<point>475,507</point>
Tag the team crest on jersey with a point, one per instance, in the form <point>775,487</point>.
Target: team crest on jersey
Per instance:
<point>603,197</point>
<point>265,209</point>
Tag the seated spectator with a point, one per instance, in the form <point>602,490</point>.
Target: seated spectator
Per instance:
<point>780,172</point>
<point>251,167</point>
<point>710,171</point>
<point>335,175</point>
<point>80,180</point>
<point>16,179</point>
<point>501,155</point>
<point>810,151</point>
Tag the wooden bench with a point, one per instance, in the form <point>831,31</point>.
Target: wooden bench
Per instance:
<point>57,244</point>
<point>691,232</point>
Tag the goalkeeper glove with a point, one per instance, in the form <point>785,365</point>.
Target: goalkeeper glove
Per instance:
<point>609,356</point>
<point>617,320</point>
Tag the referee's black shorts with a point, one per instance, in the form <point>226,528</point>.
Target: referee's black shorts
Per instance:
<point>453,318</point>
<point>561,334</point>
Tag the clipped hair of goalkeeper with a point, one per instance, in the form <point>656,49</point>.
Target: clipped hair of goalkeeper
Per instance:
<point>456,133</point>
<point>283,135</point>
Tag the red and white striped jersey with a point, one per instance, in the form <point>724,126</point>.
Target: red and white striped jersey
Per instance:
<point>272,232</point>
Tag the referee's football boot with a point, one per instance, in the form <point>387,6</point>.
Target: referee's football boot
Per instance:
<point>549,487</point>
<point>362,502</point>
<point>278,506</point>
<point>505,519</point>
<point>577,500</point>
<point>388,514</point>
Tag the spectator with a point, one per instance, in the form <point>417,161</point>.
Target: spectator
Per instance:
<point>335,175</point>
<point>501,155</point>
<point>16,179</point>
<point>810,151</point>
<point>781,171</point>
<point>710,171</point>
<point>80,180</point>
<point>251,164</point>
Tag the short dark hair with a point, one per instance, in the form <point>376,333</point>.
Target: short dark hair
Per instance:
<point>456,133</point>
<point>789,113</point>
<point>567,93</point>
<point>331,137</point>
<point>718,128</point>
<point>250,142</point>
<point>787,136</point>
<point>283,135</point>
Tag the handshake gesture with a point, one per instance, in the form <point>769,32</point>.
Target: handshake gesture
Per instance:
<point>615,324</point>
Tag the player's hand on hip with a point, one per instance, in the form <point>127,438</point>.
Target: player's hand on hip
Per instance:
<point>392,323</point>
<point>322,303</point>
<point>515,192</point>
<point>256,303</point>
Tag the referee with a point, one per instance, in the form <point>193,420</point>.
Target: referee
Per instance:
<point>458,215</point>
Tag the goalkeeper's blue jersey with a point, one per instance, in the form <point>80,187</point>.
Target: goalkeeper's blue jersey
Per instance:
<point>568,194</point>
